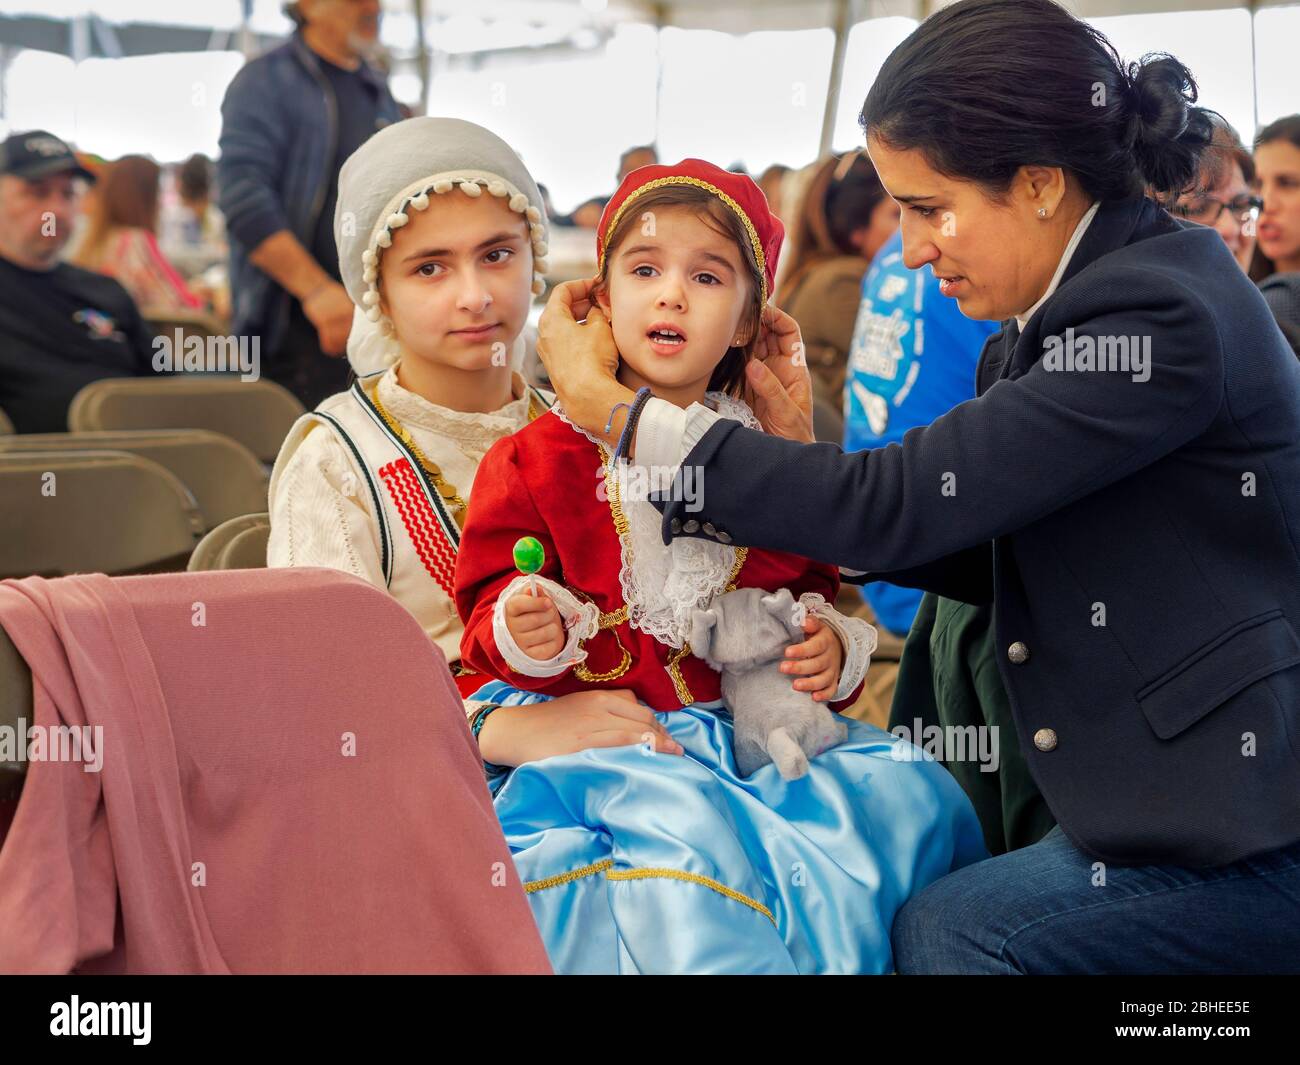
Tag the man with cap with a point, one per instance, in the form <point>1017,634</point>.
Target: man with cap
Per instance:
<point>61,327</point>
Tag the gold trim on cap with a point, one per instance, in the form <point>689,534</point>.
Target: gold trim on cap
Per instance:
<point>682,179</point>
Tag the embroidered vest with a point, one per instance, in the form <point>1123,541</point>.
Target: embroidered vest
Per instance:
<point>418,534</point>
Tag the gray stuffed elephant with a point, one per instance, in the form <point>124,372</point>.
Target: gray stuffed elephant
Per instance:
<point>744,634</point>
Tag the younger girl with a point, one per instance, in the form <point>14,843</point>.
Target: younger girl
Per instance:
<point>638,858</point>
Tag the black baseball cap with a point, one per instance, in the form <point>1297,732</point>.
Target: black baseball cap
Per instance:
<point>37,154</point>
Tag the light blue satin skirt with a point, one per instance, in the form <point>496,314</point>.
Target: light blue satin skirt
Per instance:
<point>637,862</point>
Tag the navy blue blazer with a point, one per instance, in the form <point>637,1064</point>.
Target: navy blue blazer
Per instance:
<point>1138,533</point>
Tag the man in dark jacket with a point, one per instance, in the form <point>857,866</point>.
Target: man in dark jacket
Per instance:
<point>61,327</point>
<point>289,120</point>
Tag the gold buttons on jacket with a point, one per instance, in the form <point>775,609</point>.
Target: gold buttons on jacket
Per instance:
<point>1018,653</point>
<point>691,526</point>
<point>675,526</point>
<point>1045,739</point>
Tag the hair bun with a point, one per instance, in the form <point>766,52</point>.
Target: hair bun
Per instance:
<point>1164,129</point>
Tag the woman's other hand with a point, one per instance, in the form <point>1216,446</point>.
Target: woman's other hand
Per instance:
<point>780,387</point>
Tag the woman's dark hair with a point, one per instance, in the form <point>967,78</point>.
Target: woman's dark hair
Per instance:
<point>729,375</point>
<point>985,87</point>
<point>1286,129</point>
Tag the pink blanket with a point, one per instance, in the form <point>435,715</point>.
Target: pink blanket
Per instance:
<point>285,785</point>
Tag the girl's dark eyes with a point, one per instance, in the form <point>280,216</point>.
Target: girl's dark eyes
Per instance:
<point>924,212</point>
<point>495,257</point>
<point>637,271</point>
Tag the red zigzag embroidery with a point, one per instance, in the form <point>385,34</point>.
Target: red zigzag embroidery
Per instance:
<point>431,542</point>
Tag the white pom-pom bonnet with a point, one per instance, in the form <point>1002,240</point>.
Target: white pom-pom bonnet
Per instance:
<point>397,171</point>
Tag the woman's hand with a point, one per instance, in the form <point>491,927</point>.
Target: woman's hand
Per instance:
<point>780,387</point>
<point>581,360</point>
<point>513,735</point>
<point>817,660</point>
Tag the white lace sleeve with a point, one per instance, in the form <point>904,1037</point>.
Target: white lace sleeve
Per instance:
<point>857,637</point>
<point>580,621</point>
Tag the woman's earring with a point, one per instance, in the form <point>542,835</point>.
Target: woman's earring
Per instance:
<point>1042,212</point>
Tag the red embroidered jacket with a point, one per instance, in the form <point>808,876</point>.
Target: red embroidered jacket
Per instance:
<point>544,481</point>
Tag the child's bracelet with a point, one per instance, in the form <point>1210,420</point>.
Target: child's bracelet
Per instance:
<point>480,716</point>
<point>642,397</point>
<point>609,425</point>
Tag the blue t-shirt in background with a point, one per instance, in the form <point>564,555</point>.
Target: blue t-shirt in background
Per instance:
<point>912,359</point>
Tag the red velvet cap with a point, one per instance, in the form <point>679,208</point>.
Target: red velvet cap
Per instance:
<point>737,191</point>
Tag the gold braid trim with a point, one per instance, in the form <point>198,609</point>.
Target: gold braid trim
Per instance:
<point>448,491</point>
<point>611,873</point>
<point>682,179</point>
<point>692,878</point>
<point>607,621</point>
<point>674,668</point>
<point>567,878</point>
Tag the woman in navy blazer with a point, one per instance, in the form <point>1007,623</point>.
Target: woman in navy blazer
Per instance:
<point>1125,489</point>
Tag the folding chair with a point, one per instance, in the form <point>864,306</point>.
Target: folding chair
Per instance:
<point>225,478</point>
<point>92,511</point>
<point>258,414</point>
<point>239,543</point>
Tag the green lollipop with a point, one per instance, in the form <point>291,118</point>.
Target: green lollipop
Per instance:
<point>529,558</point>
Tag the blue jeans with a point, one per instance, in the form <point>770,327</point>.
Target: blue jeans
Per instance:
<point>1042,909</point>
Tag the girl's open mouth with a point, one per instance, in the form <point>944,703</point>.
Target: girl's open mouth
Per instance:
<point>665,339</point>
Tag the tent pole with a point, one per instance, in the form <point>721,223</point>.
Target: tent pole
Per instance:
<point>422,56</point>
<point>843,12</point>
<point>1253,8</point>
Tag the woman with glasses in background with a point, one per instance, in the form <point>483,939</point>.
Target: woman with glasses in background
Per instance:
<point>1224,199</point>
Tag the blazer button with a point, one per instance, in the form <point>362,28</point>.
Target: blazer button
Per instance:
<point>1018,653</point>
<point>709,530</point>
<point>691,526</point>
<point>675,526</point>
<point>724,537</point>
<point>1045,739</point>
